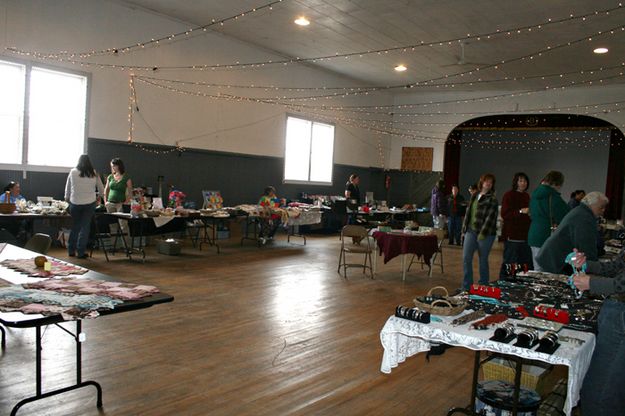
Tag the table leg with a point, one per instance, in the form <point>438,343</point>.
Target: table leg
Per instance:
<point>292,233</point>
<point>375,259</point>
<point>517,386</point>
<point>403,267</point>
<point>207,238</point>
<point>78,337</point>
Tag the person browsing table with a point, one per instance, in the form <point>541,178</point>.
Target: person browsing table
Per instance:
<point>479,228</point>
<point>118,189</point>
<point>80,191</point>
<point>602,390</point>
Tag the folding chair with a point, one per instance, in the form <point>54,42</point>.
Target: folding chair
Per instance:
<point>102,234</point>
<point>360,233</point>
<point>39,243</point>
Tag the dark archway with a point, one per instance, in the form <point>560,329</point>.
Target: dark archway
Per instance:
<point>530,134</point>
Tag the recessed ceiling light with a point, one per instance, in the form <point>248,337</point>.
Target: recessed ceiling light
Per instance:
<point>302,21</point>
<point>601,50</point>
<point>400,68</point>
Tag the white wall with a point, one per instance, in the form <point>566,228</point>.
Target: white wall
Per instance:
<point>249,128</point>
<point>521,104</point>
<point>240,127</point>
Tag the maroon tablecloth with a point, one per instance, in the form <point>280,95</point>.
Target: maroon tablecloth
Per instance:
<point>394,244</point>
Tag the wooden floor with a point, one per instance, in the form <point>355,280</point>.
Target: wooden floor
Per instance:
<point>252,331</point>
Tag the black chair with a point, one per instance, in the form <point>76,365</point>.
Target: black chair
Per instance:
<point>102,234</point>
<point>7,237</point>
<point>39,243</point>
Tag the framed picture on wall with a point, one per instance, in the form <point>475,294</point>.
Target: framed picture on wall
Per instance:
<point>417,159</point>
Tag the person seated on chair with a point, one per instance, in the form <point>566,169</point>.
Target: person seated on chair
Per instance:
<point>17,228</point>
<point>13,189</point>
<point>270,219</point>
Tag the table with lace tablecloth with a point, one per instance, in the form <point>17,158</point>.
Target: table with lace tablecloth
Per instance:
<point>402,338</point>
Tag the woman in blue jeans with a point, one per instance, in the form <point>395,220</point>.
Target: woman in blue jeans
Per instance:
<point>80,191</point>
<point>479,228</point>
<point>602,391</point>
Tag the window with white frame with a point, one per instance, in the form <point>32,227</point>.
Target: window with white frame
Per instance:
<point>54,105</point>
<point>309,151</point>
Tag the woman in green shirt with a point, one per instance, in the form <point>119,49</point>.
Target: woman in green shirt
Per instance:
<point>118,189</point>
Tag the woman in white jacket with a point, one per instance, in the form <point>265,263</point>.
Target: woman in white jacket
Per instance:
<point>80,190</point>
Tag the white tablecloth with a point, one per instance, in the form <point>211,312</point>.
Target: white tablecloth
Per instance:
<point>402,338</point>
<point>306,218</point>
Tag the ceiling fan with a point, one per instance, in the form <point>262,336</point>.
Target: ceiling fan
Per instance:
<point>462,59</point>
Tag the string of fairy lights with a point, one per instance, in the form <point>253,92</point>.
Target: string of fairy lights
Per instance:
<point>385,108</point>
<point>70,57</point>
<point>383,129</point>
<point>378,127</point>
<point>158,41</point>
<point>133,107</point>
<point>352,89</point>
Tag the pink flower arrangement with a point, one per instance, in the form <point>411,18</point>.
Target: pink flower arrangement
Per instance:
<point>176,198</point>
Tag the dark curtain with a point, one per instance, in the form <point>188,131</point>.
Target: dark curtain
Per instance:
<point>451,162</point>
<point>616,175</point>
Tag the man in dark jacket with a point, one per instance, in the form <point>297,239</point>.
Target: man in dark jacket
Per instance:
<point>577,230</point>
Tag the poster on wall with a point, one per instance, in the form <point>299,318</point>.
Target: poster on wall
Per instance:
<point>417,159</point>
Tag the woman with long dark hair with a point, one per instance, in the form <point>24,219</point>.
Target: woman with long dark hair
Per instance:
<point>516,223</point>
<point>118,188</point>
<point>80,191</point>
<point>480,228</point>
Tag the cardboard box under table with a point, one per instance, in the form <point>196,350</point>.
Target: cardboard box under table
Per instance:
<point>536,375</point>
<point>170,247</point>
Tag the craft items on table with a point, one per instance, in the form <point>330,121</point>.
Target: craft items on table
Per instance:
<point>46,302</point>
<point>527,338</point>
<point>413,314</point>
<point>551,314</point>
<point>548,343</point>
<point>443,305</point>
<point>489,321</point>
<point>73,298</point>
<point>469,317</point>
<point>486,291</point>
<point>57,268</point>
<point>511,269</point>
<point>541,295</point>
<point>212,200</point>
<point>541,324</point>
<point>116,290</point>
<point>504,333</point>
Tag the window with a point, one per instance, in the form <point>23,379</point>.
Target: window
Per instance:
<point>309,151</point>
<point>53,103</point>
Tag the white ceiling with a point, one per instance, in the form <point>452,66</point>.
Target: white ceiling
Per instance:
<point>347,26</point>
